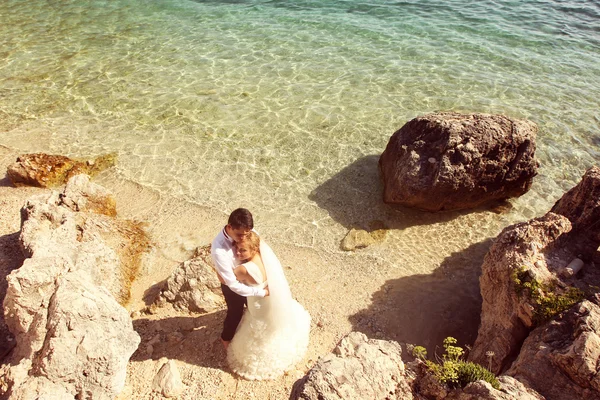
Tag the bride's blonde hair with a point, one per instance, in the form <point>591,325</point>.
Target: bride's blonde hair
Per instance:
<point>253,241</point>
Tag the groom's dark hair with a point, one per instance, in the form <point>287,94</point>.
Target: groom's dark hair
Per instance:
<point>241,218</point>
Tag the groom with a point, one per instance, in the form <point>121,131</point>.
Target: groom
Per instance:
<point>239,224</point>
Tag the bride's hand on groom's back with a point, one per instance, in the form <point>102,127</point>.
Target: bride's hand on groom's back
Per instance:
<point>266,291</point>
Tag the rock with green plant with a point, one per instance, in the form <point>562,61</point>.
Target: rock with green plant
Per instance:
<point>452,370</point>
<point>528,278</point>
<point>450,376</point>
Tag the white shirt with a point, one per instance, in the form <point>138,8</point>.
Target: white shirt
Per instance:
<point>223,259</point>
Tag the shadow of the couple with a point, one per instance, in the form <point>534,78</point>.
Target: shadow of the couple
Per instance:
<point>192,339</point>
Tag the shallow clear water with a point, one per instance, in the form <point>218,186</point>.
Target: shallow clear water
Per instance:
<point>283,106</point>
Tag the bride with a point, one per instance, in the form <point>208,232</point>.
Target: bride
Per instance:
<point>273,333</point>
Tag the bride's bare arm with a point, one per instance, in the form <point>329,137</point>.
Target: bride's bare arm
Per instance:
<point>242,275</point>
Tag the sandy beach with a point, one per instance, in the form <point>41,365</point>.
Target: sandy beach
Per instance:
<point>343,291</point>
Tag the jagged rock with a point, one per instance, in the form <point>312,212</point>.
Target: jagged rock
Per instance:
<point>77,337</point>
<point>517,390</point>
<point>581,205</point>
<point>560,359</point>
<point>60,305</point>
<point>194,285</point>
<point>506,317</point>
<point>82,195</point>
<point>40,388</point>
<point>109,249</point>
<point>481,390</point>
<point>45,170</point>
<point>450,161</point>
<point>168,380</point>
<point>537,252</point>
<point>360,368</point>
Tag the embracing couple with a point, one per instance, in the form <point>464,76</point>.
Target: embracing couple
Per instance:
<point>272,334</point>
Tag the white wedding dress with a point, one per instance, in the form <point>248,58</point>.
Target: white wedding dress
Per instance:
<point>273,333</point>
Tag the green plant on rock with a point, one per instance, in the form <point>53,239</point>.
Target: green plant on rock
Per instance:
<point>455,372</point>
<point>470,372</point>
<point>419,352</point>
<point>544,297</point>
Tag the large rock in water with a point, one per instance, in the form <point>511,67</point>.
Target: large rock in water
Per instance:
<point>73,337</point>
<point>527,281</point>
<point>46,170</point>
<point>450,161</point>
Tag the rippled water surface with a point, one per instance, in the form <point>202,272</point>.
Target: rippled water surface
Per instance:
<point>284,106</point>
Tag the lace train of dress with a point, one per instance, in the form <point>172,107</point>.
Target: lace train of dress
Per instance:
<point>263,348</point>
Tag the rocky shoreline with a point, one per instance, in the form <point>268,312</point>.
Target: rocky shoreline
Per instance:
<point>84,285</point>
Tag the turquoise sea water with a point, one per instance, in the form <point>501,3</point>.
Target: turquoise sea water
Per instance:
<point>284,106</point>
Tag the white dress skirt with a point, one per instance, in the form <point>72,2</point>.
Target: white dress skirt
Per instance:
<point>267,342</point>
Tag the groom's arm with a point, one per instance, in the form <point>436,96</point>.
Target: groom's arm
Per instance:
<point>224,266</point>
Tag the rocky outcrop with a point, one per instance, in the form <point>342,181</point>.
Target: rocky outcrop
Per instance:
<point>506,315</point>
<point>511,389</point>
<point>560,359</point>
<point>75,343</point>
<point>45,170</point>
<point>527,276</point>
<point>67,224</point>
<point>581,205</point>
<point>362,368</point>
<point>450,161</point>
<point>73,338</point>
<point>194,285</point>
<point>359,368</point>
<point>81,195</point>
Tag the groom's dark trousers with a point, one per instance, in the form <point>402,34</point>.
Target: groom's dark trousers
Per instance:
<point>235,310</point>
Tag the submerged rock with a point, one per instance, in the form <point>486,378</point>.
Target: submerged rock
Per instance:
<point>450,161</point>
<point>356,239</point>
<point>46,170</point>
<point>360,238</point>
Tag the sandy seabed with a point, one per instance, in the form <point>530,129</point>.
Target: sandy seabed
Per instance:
<point>342,292</point>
